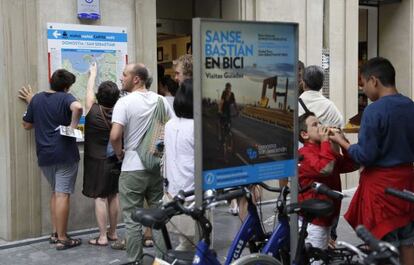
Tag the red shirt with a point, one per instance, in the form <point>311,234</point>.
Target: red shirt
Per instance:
<point>382,213</point>
<point>321,164</point>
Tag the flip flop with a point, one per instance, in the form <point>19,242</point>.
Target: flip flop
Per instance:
<point>95,242</point>
<point>68,243</point>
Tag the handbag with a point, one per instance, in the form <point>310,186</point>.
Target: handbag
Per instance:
<point>150,149</point>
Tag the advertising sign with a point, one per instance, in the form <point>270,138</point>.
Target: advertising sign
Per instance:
<point>248,98</point>
<point>74,47</point>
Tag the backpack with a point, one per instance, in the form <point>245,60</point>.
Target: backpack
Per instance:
<point>150,150</point>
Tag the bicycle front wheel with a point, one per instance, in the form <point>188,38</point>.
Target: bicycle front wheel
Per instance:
<point>257,259</point>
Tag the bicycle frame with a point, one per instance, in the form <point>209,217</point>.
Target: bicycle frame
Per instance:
<point>204,255</point>
<point>281,234</point>
<point>279,238</point>
<point>251,229</point>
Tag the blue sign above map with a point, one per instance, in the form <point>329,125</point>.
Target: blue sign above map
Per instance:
<point>86,35</point>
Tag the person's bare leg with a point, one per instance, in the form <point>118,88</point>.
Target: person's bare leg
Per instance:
<point>62,204</point>
<point>256,192</point>
<point>113,207</point>
<point>148,233</point>
<point>407,255</point>
<point>243,208</point>
<point>101,219</point>
<point>53,211</point>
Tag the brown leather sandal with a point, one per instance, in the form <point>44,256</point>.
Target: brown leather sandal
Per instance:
<point>68,243</point>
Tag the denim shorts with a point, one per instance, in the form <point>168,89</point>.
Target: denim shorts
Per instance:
<point>61,177</point>
<point>403,236</point>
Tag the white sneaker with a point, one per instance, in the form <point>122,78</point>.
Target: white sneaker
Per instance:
<point>234,210</point>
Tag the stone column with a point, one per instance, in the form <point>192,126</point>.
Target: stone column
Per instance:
<point>146,36</point>
<point>313,32</point>
<point>395,42</point>
<point>19,175</point>
<point>343,48</point>
<point>308,14</point>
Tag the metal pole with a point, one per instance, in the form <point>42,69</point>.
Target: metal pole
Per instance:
<point>198,163</point>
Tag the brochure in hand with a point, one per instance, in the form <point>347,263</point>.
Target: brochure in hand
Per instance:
<point>70,132</point>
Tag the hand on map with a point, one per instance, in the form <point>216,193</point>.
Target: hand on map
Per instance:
<point>93,69</point>
<point>26,93</point>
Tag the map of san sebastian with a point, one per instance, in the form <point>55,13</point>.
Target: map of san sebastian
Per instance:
<point>78,63</point>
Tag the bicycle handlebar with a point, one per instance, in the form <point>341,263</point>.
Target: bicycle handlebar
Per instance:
<point>237,192</point>
<point>361,255</point>
<point>400,194</point>
<point>376,245</point>
<point>323,189</point>
<point>368,238</point>
<point>269,188</point>
<point>230,195</point>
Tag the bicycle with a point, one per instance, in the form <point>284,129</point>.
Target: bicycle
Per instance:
<point>277,244</point>
<point>157,218</point>
<point>251,230</point>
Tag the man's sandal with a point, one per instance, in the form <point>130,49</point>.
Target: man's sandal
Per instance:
<point>119,245</point>
<point>53,239</point>
<point>68,243</point>
<point>147,242</point>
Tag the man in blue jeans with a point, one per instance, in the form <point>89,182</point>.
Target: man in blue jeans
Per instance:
<point>58,156</point>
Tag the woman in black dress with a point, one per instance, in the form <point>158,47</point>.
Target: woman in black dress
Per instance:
<point>101,167</point>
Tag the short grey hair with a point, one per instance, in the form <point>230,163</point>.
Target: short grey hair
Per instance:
<point>313,77</point>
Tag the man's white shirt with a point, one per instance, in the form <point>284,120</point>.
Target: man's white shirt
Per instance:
<point>134,112</point>
<point>324,109</point>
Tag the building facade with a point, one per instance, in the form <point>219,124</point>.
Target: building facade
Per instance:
<point>323,24</point>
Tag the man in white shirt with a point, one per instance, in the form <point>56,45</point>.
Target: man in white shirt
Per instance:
<point>130,119</point>
<point>324,109</point>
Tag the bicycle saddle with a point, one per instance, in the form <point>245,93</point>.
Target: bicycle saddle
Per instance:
<point>311,208</point>
<point>155,218</point>
<point>180,257</point>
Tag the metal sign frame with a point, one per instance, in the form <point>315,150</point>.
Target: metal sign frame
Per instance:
<point>197,46</point>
